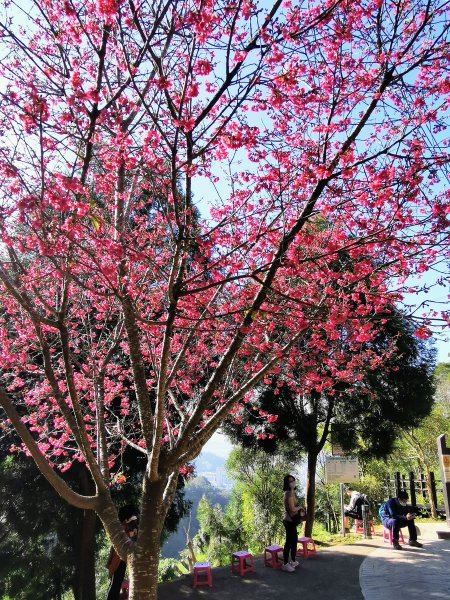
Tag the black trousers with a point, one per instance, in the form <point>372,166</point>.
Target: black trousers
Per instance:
<point>290,547</point>
<point>116,582</point>
<point>353,514</point>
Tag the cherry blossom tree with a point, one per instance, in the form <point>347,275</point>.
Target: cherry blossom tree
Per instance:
<point>310,128</point>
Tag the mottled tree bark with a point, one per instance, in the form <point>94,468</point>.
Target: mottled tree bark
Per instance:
<point>310,492</point>
<point>84,555</point>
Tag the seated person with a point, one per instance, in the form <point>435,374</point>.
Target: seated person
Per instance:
<point>354,508</point>
<point>395,514</point>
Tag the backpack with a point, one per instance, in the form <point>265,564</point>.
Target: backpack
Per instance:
<point>363,500</point>
<point>383,511</point>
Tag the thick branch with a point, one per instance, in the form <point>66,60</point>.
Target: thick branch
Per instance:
<point>58,484</point>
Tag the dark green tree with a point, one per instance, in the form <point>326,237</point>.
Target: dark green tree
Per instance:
<point>48,548</point>
<point>367,415</point>
<point>398,395</point>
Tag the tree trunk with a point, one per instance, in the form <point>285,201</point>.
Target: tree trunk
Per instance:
<point>84,584</point>
<point>143,572</point>
<point>434,512</point>
<point>310,492</point>
<point>85,559</point>
<point>143,563</point>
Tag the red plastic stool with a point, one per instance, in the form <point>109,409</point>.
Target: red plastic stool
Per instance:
<point>271,558</point>
<point>242,562</point>
<point>202,574</point>
<point>387,536</point>
<point>308,547</point>
<point>359,527</point>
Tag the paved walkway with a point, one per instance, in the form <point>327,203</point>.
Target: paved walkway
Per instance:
<point>366,570</point>
<point>413,573</point>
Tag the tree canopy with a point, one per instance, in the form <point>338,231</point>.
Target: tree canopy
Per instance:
<point>129,321</point>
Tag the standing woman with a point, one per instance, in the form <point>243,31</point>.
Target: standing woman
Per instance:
<point>290,510</point>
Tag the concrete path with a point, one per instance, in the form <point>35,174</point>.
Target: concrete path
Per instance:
<point>365,570</point>
<point>412,573</point>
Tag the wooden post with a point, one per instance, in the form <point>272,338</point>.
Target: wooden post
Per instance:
<point>366,524</point>
<point>433,489</point>
<point>341,497</point>
<point>397,483</point>
<point>387,488</point>
<point>444,461</point>
<point>412,489</point>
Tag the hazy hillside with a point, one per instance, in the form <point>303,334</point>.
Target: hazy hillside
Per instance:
<point>194,491</point>
<point>212,467</point>
<point>208,462</point>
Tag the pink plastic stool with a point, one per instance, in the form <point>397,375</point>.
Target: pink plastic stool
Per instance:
<point>271,558</point>
<point>202,574</point>
<point>359,527</point>
<point>387,536</point>
<point>308,547</point>
<point>242,562</point>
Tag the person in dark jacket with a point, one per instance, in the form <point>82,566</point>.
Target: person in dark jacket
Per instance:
<point>396,514</point>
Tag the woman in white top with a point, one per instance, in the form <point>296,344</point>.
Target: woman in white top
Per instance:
<point>291,508</point>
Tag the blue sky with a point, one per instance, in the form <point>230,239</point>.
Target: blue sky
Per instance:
<point>218,445</point>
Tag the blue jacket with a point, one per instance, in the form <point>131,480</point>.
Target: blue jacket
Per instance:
<point>393,509</point>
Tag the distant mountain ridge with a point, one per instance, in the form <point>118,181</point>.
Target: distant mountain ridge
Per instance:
<point>195,489</point>
<point>207,461</point>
